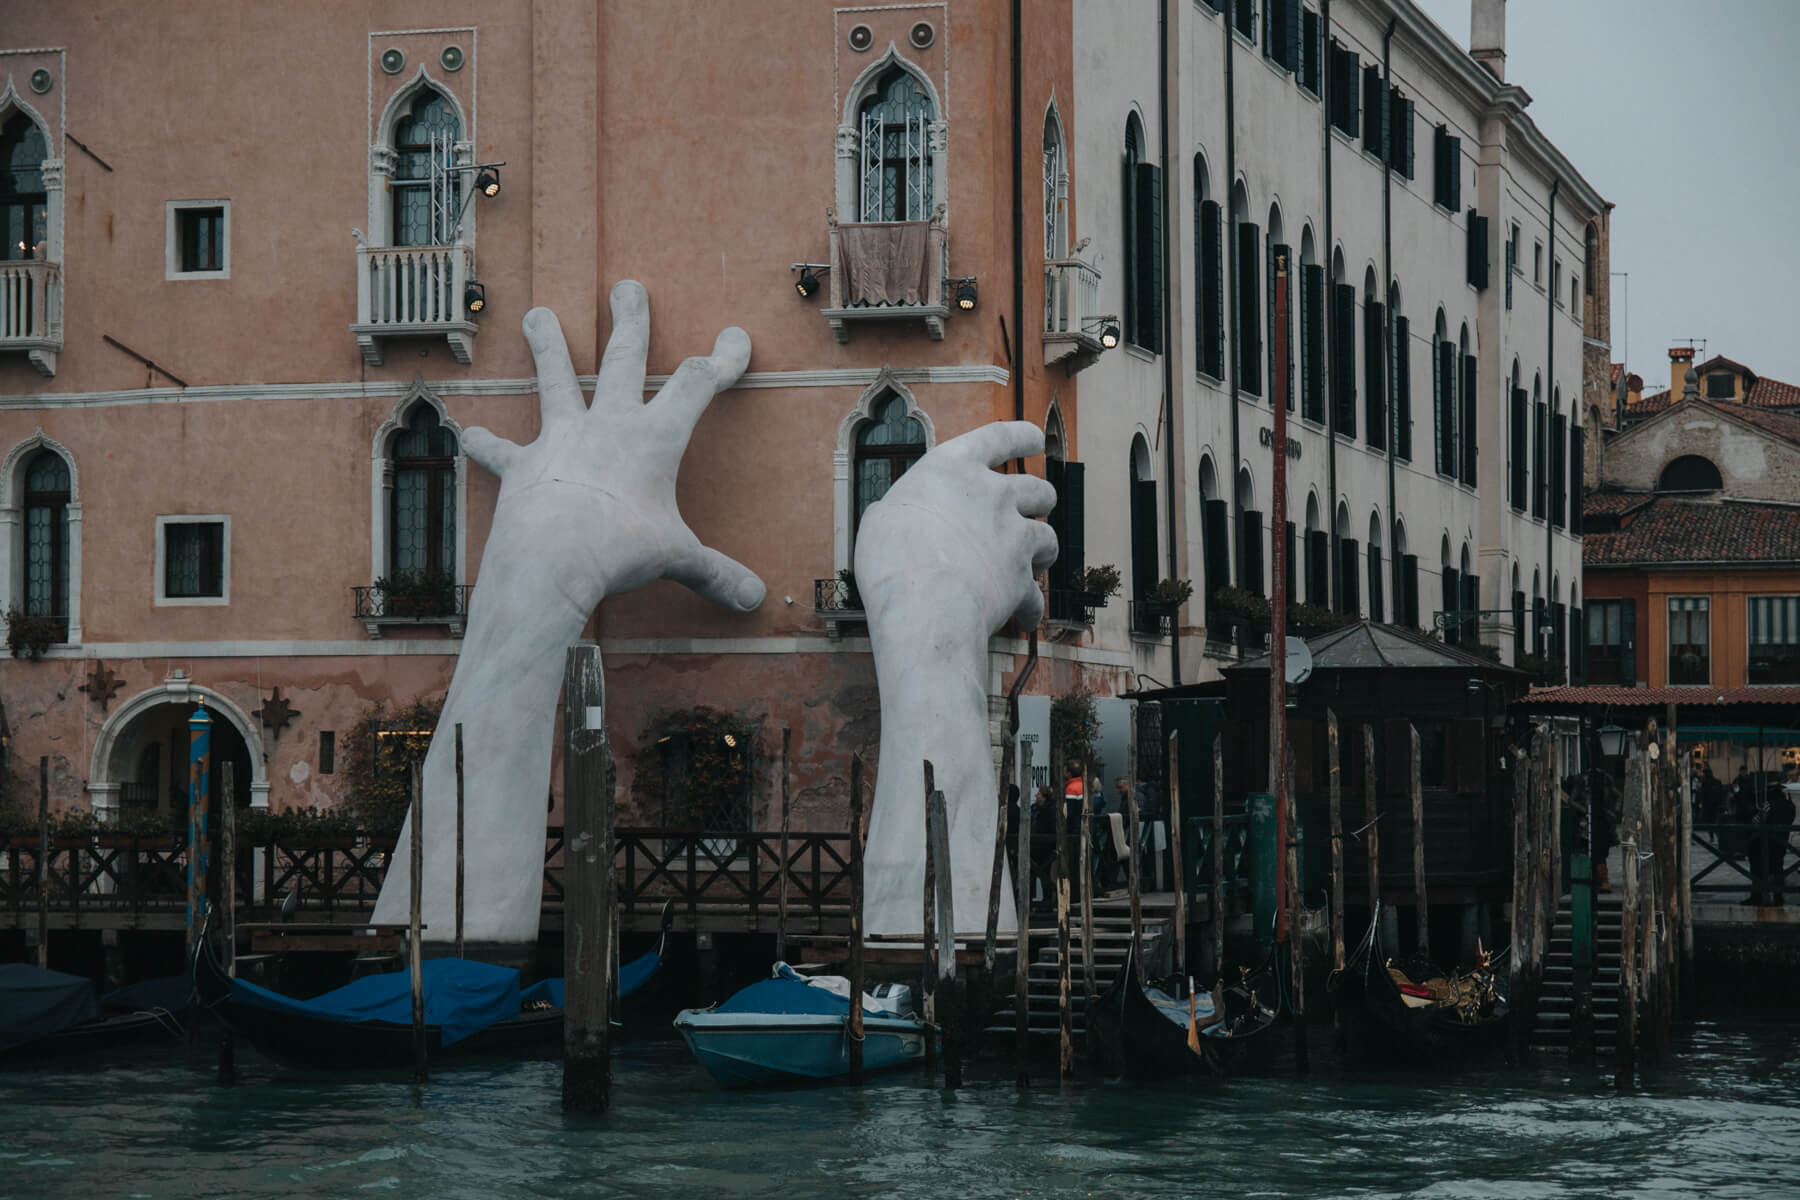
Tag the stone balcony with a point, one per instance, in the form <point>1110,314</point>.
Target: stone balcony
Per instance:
<point>414,291</point>
<point>1072,316</point>
<point>888,271</point>
<point>31,311</point>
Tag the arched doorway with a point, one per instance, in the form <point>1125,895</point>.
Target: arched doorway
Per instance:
<point>140,761</point>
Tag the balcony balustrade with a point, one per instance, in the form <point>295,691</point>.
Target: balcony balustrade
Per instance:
<point>31,311</point>
<point>378,607</point>
<point>839,603</point>
<point>888,271</point>
<point>414,291</point>
<point>1071,314</point>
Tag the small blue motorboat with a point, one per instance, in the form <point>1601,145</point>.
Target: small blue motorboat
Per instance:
<point>48,1014</point>
<point>790,1028</point>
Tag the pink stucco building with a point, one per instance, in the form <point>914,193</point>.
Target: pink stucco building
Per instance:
<point>239,343</point>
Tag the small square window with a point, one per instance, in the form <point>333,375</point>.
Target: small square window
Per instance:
<point>193,560</point>
<point>199,239</point>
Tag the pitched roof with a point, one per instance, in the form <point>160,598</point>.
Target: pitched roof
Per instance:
<point>1762,393</point>
<point>1613,504</point>
<point>1772,393</point>
<point>1368,645</point>
<point>1675,530</point>
<point>1783,425</point>
<point>1648,405</point>
<point>1656,698</point>
<point>1720,362</point>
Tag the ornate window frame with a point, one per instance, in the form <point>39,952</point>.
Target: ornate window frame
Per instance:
<point>843,516</point>
<point>381,485</point>
<point>42,354</point>
<point>849,135</point>
<point>12,526</point>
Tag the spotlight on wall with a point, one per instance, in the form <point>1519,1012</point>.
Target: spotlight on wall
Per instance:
<point>808,282</point>
<point>1105,328</point>
<point>474,297</point>
<point>965,295</point>
<point>488,182</point>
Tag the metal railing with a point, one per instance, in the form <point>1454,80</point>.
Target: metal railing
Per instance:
<point>1150,620</point>
<point>1071,294</point>
<point>1734,861</point>
<point>837,595</point>
<point>435,604</point>
<point>30,302</point>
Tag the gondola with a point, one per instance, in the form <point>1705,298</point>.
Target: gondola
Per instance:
<point>47,1015</point>
<point>1149,1032</point>
<point>472,1010</point>
<point>1413,1013</point>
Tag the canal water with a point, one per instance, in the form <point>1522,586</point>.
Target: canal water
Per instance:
<point>1722,1119</point>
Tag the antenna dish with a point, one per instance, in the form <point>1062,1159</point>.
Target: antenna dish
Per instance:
<point>1299,661</point>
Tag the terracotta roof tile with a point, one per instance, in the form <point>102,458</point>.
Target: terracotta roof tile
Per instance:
<point>1671,530</point>
<point>1637,697</point>
<point>1772,393</point>
<point>1648,405</point>
<point>1613,504</point>
<point>1783,425</point>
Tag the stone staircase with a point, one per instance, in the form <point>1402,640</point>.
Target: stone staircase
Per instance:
<point>1557,999</point>
<point>1112,942</point>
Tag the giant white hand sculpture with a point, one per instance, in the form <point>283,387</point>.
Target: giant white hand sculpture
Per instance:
<point>586,511</point>
<point>942,561</point>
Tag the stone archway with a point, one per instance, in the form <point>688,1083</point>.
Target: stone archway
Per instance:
<point>140,755</point>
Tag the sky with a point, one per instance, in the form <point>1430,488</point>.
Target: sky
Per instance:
<point>1686,116</point>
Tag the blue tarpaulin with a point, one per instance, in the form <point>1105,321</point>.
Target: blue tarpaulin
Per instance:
<point>461,998</point>
<point>35,1002</point>
<point>632,976</point>
<point>787,993</point>
<point>169,992</point>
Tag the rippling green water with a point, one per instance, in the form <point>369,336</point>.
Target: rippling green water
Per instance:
<point>1721,1120</point>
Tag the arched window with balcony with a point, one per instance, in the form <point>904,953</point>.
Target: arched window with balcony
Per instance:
<point>423,512</point>
<point>894,137</point>
<point>426,190</point>
<point>24,199</point>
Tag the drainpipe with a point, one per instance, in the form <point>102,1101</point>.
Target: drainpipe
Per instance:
<point>1018,225</point>
<point>1234,535</point>
<point>1332,568</point>
<point>1549,425</point>
<point>1387,272</point>
<point>1168,320</point>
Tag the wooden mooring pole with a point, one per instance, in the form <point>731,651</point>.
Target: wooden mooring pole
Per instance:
<point>856,919</point>
<point>43,871</point>
<point>1625,1053</point>
<point>1085,838</point>
<point>1181,908</point>
<point>781,883</point>
<point>1217,914</point>
<point>228,903</point>
<point>459,840</point>
<point>1372,817</point>
<point>949,1012</point>
<point>1336,801</point>
<point>990,955</point>
<point>415,949</point>
<point>929,946</point>
<point>1134,868</point>
<point>1022,965</point>
<point>588,885</point>
<point>1060,877</point>
<point>1421,900</point>
<point>1291,902</point>
<point>1650,869</point>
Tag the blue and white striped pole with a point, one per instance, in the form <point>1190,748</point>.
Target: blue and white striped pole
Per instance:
<point>199,789</point>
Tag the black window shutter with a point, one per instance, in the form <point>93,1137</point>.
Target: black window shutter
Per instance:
<point>1345,108</point>
<point>1375,110</point>
<point>1318,553</point>
<point>1440,424</point>
<point>1406,140</point>
<point>1250,558</point>
<point>1471,605</point>
<point>1059,515</point>
<point>1471,442</point>
<point>1478,250</point>
<point>1377,610</point>
<point>1249,317</point>
<point>1143,538</point>
<point>1446,370</point>
<point>1349,562</point>
<point>1449,600</point>
<point>1343,358</point>
<point>1129,205</point>
<point>1577,646</point>
<point>1455,170</point>
<point>1271,29</point>
<point>1216,546</point>
<point>1510,251</point>
<point>1516,428</point>
<point>1246,18</point>
<point>1628,642</point>
<point>1212,285</point>
<point>1440,161</point>
<point>1290,568</point>
<point>1375,374</point>
<point>1402,389</point>
<point>1312,325</point>
<point>1309,50</point>
<point>1071,535</point>
<point>1409,595</point>
<point>1577,476</point>
<point>1149,253</point>
<point>1518,612</point>
<point>1540,490</point>
<point>1292,35</point>
<point>1559,441</point>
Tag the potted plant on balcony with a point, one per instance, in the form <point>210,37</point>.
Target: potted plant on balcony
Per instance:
<point>848,597</point>
<point>419,594</point>
<point>1097,585</point>
<point>29,636</point>
<point>143,828</point>
<point>1310,620</point>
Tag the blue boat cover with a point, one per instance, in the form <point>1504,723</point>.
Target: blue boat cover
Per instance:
<point>168,992</point>
<point>788,993</point>
<point>461,998</point>
<point>35,1002</point>
<point>632,976</point>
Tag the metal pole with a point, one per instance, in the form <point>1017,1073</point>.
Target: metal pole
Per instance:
<point>856,919</point>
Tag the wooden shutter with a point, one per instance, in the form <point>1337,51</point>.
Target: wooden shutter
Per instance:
<point>1290,568</point>
<point>1577,477</point>
<point>1349,560</point>
<point>1471,440</point>
<point>1343,358</point>
<point>1559,479</point>
<point>1540,490</point>
<point>1518,607</point>
<point>1517,433</point>
<point>1577,646</point>
<point>1446,368</point>
<point>1318,554</point>
<point>1450,599</point>
<point>1455,169</point>
<point>1143,538</point>
<point>1250,558</point>
<point>1409,589</point>
<point>1149,267</point>
<point>1405,139</point>
<point>1212,292</point>
<point>1375,374</point>
<point>1374,97</point>
<point>1060,575</point>
<point>1471,604</point>
<point>1291,43</point>
<point>1402,389</point>
<point>1377,610</point>
<point>1309,50</point>
<point>1628,643</point>
<point>1071,503</point>
<point>1312,342</point>
<point>1249,320</point>
<point>1440,419</point>
<point>1270,250</point>
<point>1478,251</point>
<point>1440,166</point>
<point>1216,546</point>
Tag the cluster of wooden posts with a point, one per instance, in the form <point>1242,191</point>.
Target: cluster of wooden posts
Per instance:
<point>1656,929</point>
